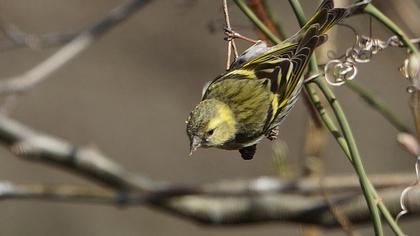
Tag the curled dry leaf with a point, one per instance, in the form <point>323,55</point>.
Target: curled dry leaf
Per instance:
<point>410,143</point>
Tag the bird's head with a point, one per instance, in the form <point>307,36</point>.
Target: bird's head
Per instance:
<point>210,124</point>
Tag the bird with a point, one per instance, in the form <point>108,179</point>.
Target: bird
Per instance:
<point>250,100</point>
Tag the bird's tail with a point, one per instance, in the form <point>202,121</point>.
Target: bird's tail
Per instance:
<point>327,16</point>
<point>297,50</point>
<point>313,34</point>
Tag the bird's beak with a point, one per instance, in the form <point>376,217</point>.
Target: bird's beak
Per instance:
<point>195,143</point>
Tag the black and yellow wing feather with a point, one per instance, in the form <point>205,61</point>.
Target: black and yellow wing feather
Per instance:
<point>283,64</point>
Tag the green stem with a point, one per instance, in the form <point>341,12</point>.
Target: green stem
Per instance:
<point>377,104</point>
<point>388,217</point>
<point>326,119</point>
<point>300,15</point>
<point>279,28</point>
<point>323,114</point>
<point>354,152</point>
<point>260,25</point>
<point>377,14</point>
<point>345,127</point>
<point>343,144</point>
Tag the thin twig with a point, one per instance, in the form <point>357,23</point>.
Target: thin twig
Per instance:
<point>231,41</point>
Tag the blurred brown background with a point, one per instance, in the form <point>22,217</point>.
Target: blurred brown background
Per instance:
<point>130,93</point>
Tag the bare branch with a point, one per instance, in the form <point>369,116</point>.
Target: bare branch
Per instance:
<point>35,146</point>
<point>9,190</point>
<point>225,188</point>
<point>86,161</point>
<point>68,52</point>
<point>225,202</point>
<point>230,208</point>
<point>283,207</point>
<point>19,39</point>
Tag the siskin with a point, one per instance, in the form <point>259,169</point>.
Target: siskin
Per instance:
<point>247,103</point>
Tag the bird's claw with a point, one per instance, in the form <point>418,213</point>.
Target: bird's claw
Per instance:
<point>273,133</point>
<point>231,34</point>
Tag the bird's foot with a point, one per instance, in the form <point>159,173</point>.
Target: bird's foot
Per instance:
<point>231,34</point>
<point>273,134</point>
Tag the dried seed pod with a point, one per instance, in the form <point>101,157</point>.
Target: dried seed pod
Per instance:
<point>411,70</point>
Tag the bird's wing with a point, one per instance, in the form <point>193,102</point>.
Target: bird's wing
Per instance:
<point>249,99</point>
<point>280,68</point>
<point>284,68</point>
<point>284,64</point>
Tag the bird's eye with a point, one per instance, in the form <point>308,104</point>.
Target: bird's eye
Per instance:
<point>210,132</point>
